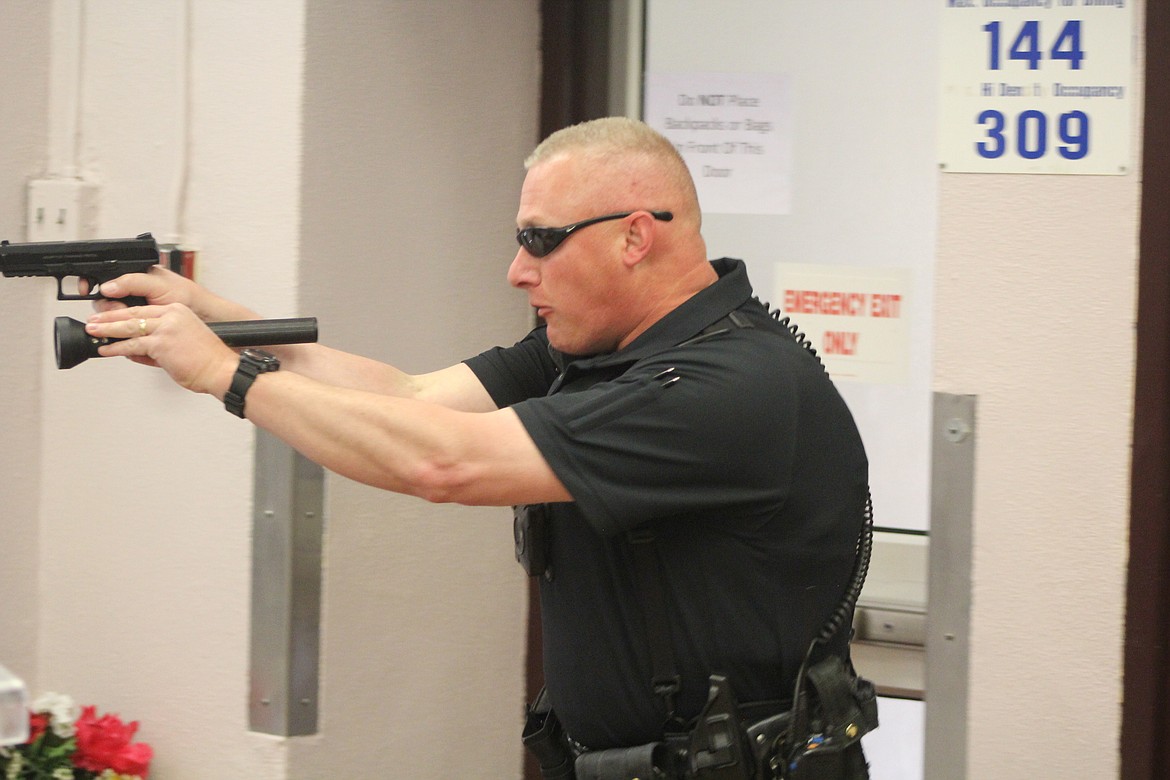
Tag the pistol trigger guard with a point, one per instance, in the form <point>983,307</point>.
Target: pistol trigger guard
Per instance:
<point>94,293</point>
<point>61,295</point>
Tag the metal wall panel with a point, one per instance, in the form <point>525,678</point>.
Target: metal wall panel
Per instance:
<point>949,588</point>
<point>287,526</point>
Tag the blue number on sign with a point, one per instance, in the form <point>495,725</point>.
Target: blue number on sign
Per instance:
<point>995,132</point>
<point>993,29</point>
<point>1027,45</point>
<point>1078,141</point>
<point>1032,135</point>
<point>1068,45</point>
<point>1032,138</point>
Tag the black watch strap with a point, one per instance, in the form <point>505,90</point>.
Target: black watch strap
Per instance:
<point>253,363</point>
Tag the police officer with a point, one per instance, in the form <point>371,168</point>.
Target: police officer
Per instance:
<point>657,404</point>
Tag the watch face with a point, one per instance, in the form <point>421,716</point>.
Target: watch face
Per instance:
<point>266,361</point>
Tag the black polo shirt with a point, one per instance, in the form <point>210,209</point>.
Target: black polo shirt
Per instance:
<point>733,446</point>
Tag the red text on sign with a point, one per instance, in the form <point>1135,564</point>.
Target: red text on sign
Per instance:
<point>885,305</point>
<point>838,342</point>
<point>842,304</point>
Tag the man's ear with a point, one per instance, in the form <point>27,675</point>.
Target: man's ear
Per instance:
<point>639,238</point>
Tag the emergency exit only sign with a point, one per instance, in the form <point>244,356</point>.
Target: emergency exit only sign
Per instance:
<point>856,317</point>
<point>1036,86</point>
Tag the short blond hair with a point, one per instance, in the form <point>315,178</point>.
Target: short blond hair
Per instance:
<point>621,137</point>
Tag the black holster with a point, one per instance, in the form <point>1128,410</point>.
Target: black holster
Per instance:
<point>820,737</point>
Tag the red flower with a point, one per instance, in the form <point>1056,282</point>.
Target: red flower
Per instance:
<point>38,722</point>
<point>105,743</point>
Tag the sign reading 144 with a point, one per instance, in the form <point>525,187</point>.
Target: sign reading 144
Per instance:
<point>1036,86</point>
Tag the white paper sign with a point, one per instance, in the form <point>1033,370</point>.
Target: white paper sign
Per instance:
<point>855,317</point>
<point>733,130</point>
<point>1036,86</point>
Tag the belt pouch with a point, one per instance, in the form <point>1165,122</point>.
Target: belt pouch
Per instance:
<point>544,737</point>
<point>718,745</point>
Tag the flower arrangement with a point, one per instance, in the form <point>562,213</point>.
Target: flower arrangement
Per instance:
<point>66,743</point>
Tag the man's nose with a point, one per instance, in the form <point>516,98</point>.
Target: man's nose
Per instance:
<point>524,271</point>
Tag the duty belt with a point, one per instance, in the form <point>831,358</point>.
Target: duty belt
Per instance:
<point>818,740</point>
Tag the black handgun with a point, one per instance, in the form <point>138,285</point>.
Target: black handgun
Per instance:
<point>96,261</point>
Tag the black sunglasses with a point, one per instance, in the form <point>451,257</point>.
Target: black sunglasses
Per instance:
<point>540,241</point>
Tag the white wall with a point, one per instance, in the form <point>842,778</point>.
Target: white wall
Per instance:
<point>245,129</point>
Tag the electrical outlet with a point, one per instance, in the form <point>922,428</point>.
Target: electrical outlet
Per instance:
<point>62,210</point>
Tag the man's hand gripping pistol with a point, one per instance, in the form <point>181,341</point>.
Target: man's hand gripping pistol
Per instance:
<point>96,261</point>
<point>100,260</point>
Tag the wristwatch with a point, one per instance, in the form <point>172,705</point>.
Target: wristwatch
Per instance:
<point>253,363</point>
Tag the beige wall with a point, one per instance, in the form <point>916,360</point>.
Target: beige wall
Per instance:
<point>24,75</point>
<point>417,119</point>
<point>1034,313</point>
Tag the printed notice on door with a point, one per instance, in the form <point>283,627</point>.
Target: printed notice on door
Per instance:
<point>735,132</point>
<point>855,317</point>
